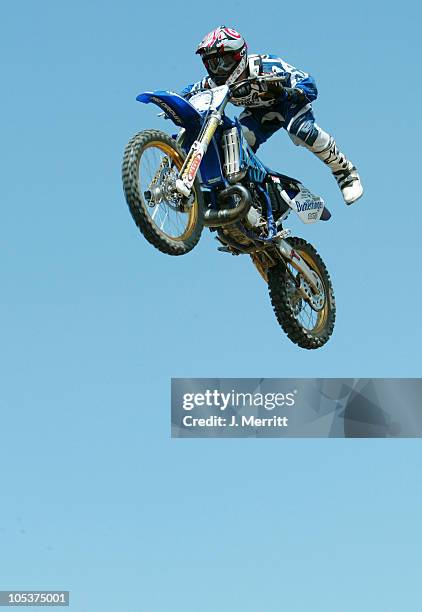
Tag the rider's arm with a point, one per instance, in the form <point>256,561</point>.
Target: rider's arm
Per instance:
<point>308,87</point>
<point>299,86</point>
<point>193,88</point>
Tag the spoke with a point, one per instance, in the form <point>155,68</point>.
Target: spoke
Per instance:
<point>308,314</point>
<point>148,166</point>
<point>155,211</point>
<point>165,217</point>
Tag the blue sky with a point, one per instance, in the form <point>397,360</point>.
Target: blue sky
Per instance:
<point>96,498</point>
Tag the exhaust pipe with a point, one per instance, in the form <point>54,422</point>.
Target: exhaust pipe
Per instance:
<point>226,216</point>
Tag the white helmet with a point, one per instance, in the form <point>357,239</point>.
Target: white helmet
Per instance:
<point>223,52</point>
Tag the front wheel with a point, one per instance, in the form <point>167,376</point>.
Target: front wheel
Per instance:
<point>172,223</point>
<point>303,324</point>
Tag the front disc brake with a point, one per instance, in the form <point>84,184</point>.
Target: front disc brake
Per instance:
<point>315,300</point>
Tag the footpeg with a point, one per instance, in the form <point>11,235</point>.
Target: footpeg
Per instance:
<point>285,233</point>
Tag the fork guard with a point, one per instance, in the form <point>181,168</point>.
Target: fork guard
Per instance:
<point>291,255</point>
<point>227,216</point>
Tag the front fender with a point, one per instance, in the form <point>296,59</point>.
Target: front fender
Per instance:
<point>179,110</point>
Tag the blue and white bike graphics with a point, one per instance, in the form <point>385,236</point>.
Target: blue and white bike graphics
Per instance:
<point>208,176</point>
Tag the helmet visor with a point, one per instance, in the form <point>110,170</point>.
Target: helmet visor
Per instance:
<point>221,64</point>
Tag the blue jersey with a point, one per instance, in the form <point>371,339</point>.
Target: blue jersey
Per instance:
<point>263,65</point>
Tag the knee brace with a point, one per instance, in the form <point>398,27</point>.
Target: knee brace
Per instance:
<point>305,132</point>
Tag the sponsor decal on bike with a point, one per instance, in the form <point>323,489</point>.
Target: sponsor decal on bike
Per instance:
<point>194,166</point>
<point>167,109</point>
<point>309,205</point>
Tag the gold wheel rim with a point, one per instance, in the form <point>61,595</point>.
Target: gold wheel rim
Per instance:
<point>192,212</point>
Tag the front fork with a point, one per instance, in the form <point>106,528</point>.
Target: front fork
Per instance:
<point>197,151</point>
<point>312,290</point>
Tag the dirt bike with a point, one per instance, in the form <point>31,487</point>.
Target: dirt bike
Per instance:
<point>208,175</point>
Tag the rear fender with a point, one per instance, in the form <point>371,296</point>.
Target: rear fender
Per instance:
<point>308,206</point>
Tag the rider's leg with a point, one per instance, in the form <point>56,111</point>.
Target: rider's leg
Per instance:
<point>258,124</point>
<point>304,131</point>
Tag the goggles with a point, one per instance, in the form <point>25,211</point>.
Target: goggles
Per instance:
<point>221,64</point>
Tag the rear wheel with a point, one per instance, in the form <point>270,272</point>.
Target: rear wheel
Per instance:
<point>305,325</point>
<point>169,221</point>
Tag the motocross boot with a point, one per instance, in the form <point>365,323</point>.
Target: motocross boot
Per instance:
<point>343,170</point>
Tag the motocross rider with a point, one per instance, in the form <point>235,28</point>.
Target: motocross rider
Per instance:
<point>270,106</point>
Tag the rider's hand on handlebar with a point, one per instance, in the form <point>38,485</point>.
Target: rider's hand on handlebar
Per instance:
<point>242,90</point>
<point>275,89</point>
<point>260,86</point>
<point>268,89</point>
<point>272,89</point>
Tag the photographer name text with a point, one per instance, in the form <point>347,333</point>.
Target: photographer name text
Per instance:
<point>235,421</point>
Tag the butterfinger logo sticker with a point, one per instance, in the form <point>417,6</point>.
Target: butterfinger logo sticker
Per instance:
<point>194,166</point>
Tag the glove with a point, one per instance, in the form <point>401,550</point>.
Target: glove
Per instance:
<point>275,89</point>
<point>259,88</point>
<point>242,91</point>
<point>294,95</point>
<point>272,90</point>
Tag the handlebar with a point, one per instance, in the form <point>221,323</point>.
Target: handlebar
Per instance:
<point>256,79</point>
<point>267,78</point>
